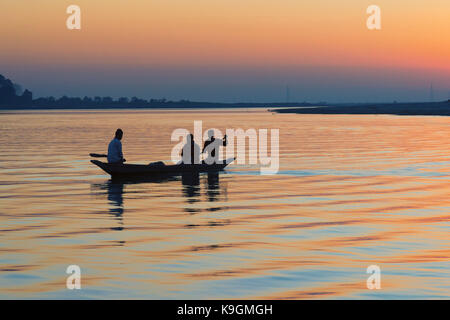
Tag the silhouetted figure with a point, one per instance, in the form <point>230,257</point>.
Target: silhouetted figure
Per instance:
<point>190,154</point>
<point>115,154</point>
<point>211,145</point>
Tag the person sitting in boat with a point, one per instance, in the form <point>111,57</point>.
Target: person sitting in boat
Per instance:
<point>190,154</point>
<point>211,146</point>
<point>115,148</point>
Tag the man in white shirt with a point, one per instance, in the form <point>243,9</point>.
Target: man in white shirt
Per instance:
<point>115,148</point>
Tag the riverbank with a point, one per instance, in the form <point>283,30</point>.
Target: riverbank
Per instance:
<point>404,109</point>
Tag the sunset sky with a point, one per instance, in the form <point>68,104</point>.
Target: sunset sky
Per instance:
<point>229,50</point>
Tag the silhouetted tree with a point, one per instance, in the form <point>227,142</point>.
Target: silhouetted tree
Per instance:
<point>27,97</point>
<point>123,100</point>
<point>9,93</point>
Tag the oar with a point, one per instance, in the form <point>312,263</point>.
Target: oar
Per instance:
<point>98,155</point>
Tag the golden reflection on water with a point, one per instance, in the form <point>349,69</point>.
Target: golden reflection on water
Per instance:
<point>352,191</point>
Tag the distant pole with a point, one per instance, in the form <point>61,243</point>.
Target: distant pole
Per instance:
<point>431,93</point>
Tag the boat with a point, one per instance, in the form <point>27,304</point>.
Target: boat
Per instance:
<point>157,169</point>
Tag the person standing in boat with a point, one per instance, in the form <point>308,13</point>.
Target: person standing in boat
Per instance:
<point>190,154</point>
<point>211,147</point>
<point>115,154</point>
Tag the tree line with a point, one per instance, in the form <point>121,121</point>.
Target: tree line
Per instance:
<point>12,96</point>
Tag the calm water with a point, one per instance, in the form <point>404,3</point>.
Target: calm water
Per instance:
<point>352,191</point>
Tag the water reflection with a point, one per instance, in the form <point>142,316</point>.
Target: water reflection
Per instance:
<point>114,192</point>
<point>354,191</point>
<point>191,188</point>
<point>192,191</point>
<point>213,187</point>
<point>115,198</point>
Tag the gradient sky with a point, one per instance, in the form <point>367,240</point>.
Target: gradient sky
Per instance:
<point>229,50</point>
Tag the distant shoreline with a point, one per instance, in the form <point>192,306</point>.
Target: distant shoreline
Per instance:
<point>400,109</point>
<point>13,98</point>
<point>169,106</point>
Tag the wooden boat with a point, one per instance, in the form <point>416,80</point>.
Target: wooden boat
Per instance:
<point>157,169</point>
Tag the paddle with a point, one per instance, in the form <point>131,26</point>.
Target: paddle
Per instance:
<point>98,155</point>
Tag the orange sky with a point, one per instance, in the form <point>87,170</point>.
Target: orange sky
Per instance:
<point>415,33</point>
